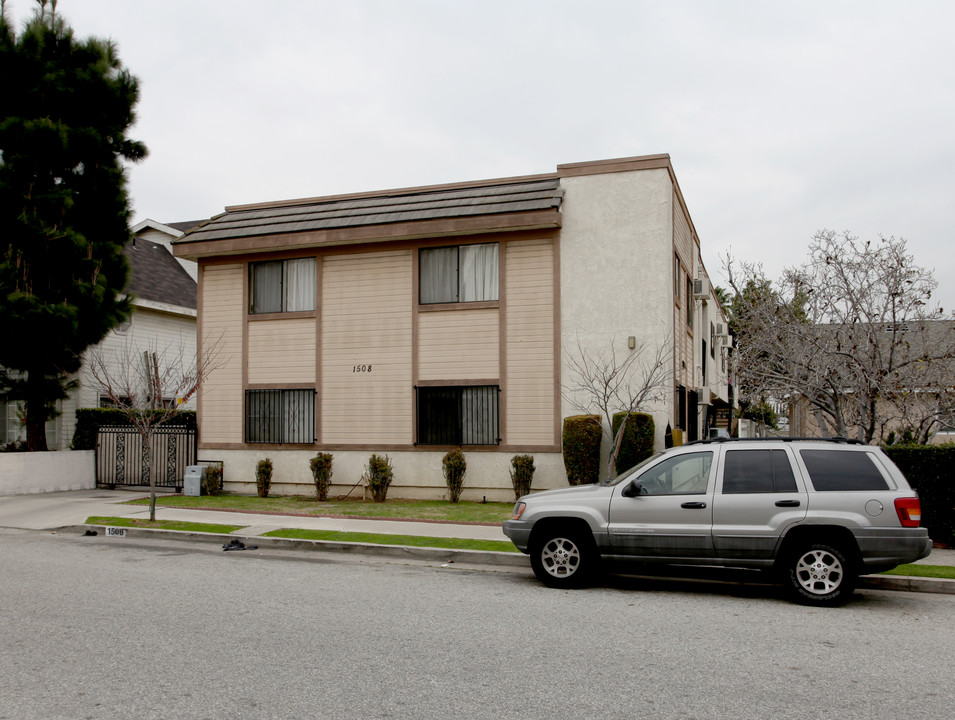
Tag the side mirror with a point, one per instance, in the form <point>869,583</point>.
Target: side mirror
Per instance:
<point>633,489</point>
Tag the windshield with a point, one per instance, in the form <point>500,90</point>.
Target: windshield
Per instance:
<point>629,471</point>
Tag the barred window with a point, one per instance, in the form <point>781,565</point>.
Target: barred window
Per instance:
<point>280,416</point>
<point>464,273</point>
<point>282,286</point>
<point>457,415</point>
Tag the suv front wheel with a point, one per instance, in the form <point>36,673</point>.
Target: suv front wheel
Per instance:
<point>819,574</point>
<point>563,558</point>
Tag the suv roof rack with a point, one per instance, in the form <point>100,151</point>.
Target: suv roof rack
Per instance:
<point>838,440</point>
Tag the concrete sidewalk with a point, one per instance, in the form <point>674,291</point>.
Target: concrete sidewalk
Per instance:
<point>52,511</point>
<point>48,511</point>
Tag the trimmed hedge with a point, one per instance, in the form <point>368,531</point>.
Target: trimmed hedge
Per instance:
<point>637,443</point>
<point>580,442</point>
<point>928,468</point>
<point>89,420</point>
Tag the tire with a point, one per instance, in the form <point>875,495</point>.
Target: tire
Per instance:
<point>819,574</point>
<point>564,558</point>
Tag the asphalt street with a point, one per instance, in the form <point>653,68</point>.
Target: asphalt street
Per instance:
<point>92,627</point>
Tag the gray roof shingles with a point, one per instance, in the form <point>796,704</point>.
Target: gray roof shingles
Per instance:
<point>157,276</point>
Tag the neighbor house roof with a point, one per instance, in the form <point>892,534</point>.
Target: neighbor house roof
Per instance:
<point>157,276</point>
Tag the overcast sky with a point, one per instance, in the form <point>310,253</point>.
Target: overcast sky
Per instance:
<point>780,118</point>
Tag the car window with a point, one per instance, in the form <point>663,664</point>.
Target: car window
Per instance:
<point>834,470</point>
<point>757,471</point>
<point>679,475</point>
<point>630,472</point>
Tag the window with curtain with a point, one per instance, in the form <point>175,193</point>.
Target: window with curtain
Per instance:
<point>464,273</point>
<point>282,286</point>
<point>458,415</point>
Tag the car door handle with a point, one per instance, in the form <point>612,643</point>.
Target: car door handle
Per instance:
<point>693,505</point>
<point>787,503</point>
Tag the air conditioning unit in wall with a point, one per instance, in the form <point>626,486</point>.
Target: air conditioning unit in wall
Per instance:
<point>701,288</point>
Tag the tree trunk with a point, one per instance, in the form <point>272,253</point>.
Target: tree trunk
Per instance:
<point>36,415</point>
<point>147,468</point>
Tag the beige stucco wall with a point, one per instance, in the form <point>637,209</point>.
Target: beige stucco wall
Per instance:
<point>616,265</point>
<point>417,474</point>
<point>366,319</point>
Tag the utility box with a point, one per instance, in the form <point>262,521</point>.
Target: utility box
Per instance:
<point>192,483</point>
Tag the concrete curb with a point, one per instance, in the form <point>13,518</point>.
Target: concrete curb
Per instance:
<point>908,583</point>
<point>902,583</point>
<point>442,555</point>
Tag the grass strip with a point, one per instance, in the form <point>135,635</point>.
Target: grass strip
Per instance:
<point>161,524</point>
<point>932,571</point>
<point>381,539</point>
<point>435,510</point>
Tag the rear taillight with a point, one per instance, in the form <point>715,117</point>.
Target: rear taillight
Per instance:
<point>909,510</point>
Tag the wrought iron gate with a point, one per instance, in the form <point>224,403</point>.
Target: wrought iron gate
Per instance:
<point>120,459</point>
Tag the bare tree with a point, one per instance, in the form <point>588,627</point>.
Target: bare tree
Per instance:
<point>604,382</point>
<point>853,332</point>
<point>151,387</point>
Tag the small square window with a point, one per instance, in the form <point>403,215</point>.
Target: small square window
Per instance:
<point>464,273</point>
<point>282,286</point>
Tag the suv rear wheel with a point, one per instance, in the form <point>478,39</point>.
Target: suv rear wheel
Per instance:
<point>819,574</point>
<point>563,558</point>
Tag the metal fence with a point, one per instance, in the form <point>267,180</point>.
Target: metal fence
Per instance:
<point>120,459</point>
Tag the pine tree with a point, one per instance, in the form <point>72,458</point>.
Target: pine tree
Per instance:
<point>65,110</point>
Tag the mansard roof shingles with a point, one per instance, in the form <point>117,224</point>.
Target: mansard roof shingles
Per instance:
<point>494,198</point>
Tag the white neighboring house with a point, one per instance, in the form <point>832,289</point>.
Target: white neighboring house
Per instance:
<point>163,291</point>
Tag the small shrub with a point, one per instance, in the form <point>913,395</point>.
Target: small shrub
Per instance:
<point>455,467</point>
<point>581,447</point>
<point>378,476</point>
<point>522,474</point>
<point>212,479</point>
<point>321,466</point>
<point>637,444</point>
<point>263,477</point>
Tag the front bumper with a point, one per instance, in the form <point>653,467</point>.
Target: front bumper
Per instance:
<point>519,533</point>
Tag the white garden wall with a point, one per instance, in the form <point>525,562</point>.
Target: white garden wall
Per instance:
<point>26,473</point>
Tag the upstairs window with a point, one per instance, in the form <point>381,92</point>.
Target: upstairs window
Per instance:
<point>282,286</point>
<point>458,415</point>
<point>460,274</point>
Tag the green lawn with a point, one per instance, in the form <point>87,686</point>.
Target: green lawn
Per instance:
<point>439,510</point>
<point>380,539</point>
<point>161,524</point>
<point>932,571</point>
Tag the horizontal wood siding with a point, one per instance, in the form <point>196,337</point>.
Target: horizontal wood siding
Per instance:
<point>220,416</point>
<point>282,351</point>
<point>459,344</point>
<point>366,349</point>
<point>530,343</point>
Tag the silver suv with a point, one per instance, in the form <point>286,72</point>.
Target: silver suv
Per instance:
<point>818,512</point>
